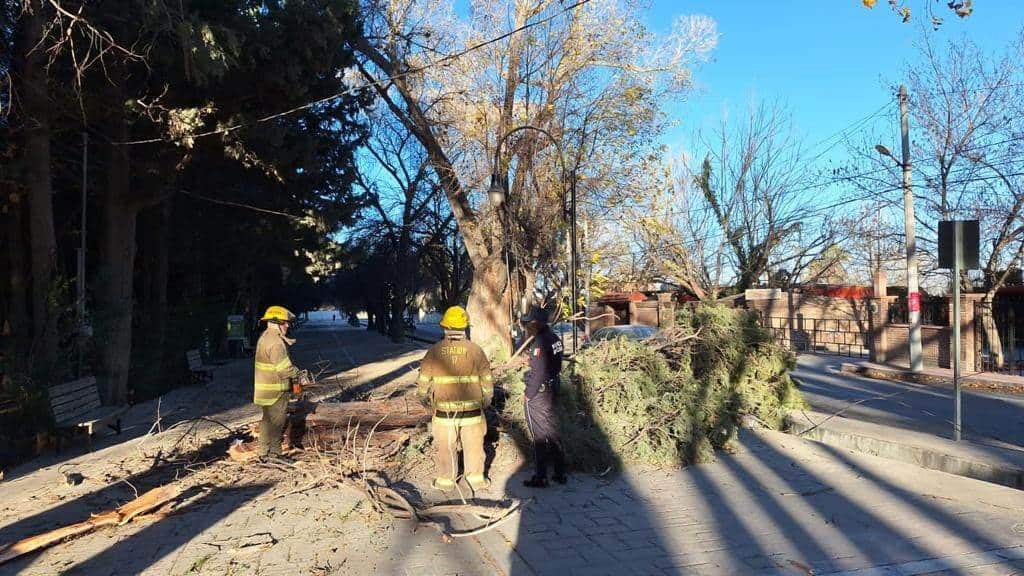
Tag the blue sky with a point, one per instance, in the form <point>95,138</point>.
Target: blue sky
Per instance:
<point>830,61</point>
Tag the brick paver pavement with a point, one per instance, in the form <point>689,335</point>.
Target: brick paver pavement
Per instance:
<point>779,505</point>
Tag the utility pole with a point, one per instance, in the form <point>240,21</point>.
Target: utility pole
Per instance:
<point>913,295</point>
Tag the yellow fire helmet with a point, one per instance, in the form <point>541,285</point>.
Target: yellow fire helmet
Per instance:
<point>455,318</point>
<point>278,314</point>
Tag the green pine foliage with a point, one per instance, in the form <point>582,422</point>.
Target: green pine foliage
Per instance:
<point>671,400</point>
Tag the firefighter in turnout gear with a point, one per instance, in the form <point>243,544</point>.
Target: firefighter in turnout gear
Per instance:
<point>455,378</point>
<point>274,373</point>
<point>541,397</point>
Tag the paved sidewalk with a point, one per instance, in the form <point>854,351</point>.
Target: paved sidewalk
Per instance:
<point>779,505</point>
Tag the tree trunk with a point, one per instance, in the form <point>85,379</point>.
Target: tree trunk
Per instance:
<point>160,273</point>
<point>116,268</point>
<point>488,307</point>
<point>400,292</point>
<point>16,311</point>
<point>36,173</point>
<point>399,412</point>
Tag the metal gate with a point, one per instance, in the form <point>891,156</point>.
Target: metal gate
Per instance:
<point>838,336</point>
<point>999,328</point>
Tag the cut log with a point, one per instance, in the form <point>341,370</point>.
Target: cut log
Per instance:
<point>401,412</point>
<point>381,447</point>
<point>151,500</point>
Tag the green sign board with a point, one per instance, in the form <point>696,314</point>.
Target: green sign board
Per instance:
<point>236,327</point>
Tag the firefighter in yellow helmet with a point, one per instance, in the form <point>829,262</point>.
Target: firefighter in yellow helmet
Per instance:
<point>274,373</point>
<point>455,378</point>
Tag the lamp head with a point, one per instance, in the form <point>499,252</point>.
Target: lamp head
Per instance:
<point>883,150</point>
<point>497,192</point>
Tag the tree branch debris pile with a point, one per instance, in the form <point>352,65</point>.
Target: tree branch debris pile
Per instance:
<point>672,399</point>
<point>354,446</point>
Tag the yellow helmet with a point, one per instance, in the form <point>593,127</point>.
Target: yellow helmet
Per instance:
<point>455,318</point>
<point>278,314</point>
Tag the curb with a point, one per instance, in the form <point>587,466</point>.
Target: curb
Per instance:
<point>942,455</point>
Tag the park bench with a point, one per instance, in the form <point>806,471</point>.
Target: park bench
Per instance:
<point>200,372</point>
<point>76,405</point>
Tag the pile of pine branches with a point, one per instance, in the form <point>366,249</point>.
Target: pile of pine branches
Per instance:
<point>672,399</point>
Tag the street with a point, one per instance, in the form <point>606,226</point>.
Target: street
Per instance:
<point>989,417</point>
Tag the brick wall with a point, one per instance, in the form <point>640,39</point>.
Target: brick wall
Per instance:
<point>791,305</point>
<point>935,345</point>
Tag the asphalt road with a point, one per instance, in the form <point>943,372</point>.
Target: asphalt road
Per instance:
<point>989,417</point>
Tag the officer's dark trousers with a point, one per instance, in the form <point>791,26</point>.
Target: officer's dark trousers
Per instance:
<point>547,440</point>
<point>272,427</point>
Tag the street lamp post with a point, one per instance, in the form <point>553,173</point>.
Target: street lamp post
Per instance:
<point>498,193</point>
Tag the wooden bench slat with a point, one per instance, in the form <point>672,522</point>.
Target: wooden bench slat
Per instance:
<point>61,412</point>
<point>101,414</point>
<point>73,418</point>
<point>76,404</point>
<point>61,389</point>
<point>75,411</point>
<point>84,394</point>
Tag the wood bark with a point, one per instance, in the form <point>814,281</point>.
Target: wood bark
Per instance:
<point>35,106</point>
<point>489,305</point>
<point>116,269</point>
<point>487,288</point>
<point>17,290</point>
<point>401,412</point>
<point>149,501</point>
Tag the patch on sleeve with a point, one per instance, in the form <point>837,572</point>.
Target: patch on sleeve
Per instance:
<point>556,347</point>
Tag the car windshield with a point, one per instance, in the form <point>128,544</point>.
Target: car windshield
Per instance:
<point>630,332</point>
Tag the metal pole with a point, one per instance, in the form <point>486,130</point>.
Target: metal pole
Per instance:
<point>587,281</point>
<point>957,254</point>
<point>572,261</point>
<point>508,278</point>
<point>913,296</point>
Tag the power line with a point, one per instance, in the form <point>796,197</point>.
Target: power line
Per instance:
<point>239,205</point>
<point>380,82</point>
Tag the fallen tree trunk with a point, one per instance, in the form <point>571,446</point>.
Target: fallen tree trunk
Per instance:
<point>345,427</point>
<point>401,412</point>
<point>149,501</point>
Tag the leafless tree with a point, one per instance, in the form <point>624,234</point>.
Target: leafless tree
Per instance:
<point>742,214</point>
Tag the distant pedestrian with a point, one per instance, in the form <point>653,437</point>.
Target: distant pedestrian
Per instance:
<point>541,399</point>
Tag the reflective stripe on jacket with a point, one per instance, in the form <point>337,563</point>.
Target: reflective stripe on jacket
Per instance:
<point>273,369</point>
<point>455,376</point>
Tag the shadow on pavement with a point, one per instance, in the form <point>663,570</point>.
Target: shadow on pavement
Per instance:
<point>117,492</point>
<point>987,416</point>
<point>230,390</point>
<point>136,553</point>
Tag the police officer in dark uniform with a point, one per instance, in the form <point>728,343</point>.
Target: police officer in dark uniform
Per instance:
<point>542,381</point>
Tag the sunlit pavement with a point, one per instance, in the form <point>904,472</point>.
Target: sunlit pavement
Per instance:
<point>780,505</point>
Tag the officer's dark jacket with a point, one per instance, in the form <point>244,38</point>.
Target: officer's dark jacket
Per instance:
<point>545,363</point>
